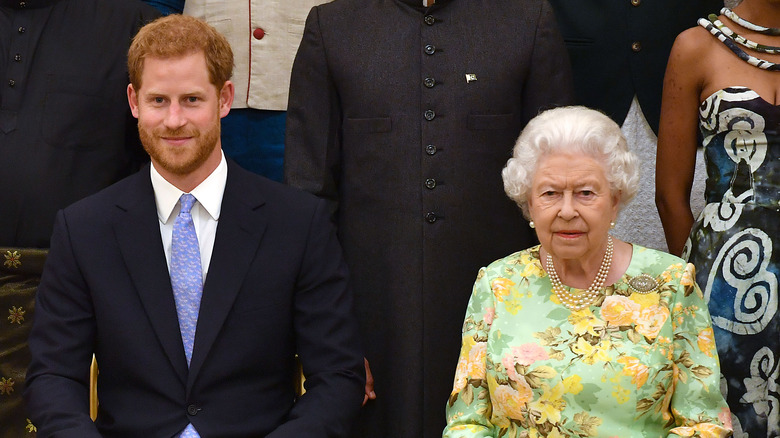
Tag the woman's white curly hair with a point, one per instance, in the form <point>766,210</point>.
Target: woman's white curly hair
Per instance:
<point>571,129</point>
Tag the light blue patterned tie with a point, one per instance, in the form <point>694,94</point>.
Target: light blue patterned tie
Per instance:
<point>187,281</point>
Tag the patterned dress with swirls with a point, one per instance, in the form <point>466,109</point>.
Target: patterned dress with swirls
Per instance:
<point>734,245</point>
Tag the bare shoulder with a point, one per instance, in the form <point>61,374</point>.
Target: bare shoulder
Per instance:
<point>693,42</point>
<point>686,65</point>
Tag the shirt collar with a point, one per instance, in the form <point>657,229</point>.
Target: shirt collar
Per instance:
<point>208,193</point>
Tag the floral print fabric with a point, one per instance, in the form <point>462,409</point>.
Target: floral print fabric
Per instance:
<point>734,245</point>
<point>635,364</point>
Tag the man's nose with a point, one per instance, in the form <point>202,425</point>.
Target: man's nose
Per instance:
<point>175,117</point>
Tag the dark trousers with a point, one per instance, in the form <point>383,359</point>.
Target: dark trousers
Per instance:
<point>255,140</point>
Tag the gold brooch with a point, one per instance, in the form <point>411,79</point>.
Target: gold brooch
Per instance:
<point>643,284</point>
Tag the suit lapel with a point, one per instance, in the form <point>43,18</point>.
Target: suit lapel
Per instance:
<point>138,232</point>
<point>240,229</point>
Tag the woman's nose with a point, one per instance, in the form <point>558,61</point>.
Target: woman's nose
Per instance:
<point>568,209</point>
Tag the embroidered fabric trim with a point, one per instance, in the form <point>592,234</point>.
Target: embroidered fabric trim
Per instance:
<point>742,40</point>
<point>774,31</point>
<point>752,60</point>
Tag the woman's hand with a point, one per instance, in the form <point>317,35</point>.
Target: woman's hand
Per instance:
<point>370,394</point>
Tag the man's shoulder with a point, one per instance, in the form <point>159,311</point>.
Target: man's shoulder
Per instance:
<point>251,184</point>
<point>117,193</point>
<point>127,6</point>
<point>345,5</point>
<point>130,10</point>
<point>341,12</point>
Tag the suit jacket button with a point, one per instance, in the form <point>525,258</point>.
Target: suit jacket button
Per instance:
<point>429,115</point>
<point>430,183</point>
<point>429,82</point>
<point>429,20</point>
<point>430,149</point>
<point>192,410</point>
<point>430,217</point>
<point>430,49</point>
<point>636,2</point>
<point>636,46</point>
<point>258,33</point>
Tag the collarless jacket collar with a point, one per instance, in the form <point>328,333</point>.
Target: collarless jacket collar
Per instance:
<point>419,5</point>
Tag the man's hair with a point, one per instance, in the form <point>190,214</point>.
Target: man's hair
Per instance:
<point>175,36</point>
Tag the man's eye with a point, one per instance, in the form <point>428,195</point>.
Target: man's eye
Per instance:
<point>159,100</point>
<point>192,99</point>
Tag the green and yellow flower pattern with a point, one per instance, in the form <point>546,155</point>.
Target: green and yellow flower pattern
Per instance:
<point>637,363</point>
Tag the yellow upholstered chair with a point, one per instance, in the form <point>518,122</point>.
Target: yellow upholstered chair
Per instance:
<point>93,401</point>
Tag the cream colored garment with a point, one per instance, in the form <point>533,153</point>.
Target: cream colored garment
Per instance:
<point>639,221</point>
<point>262,72</point>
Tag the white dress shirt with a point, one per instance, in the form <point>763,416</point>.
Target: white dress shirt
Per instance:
<point>205,212</point>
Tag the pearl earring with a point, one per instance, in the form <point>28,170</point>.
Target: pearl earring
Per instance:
<point>612,225</point>
<point>532,224</point>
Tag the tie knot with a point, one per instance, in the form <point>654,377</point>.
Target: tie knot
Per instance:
<point>187,201</point>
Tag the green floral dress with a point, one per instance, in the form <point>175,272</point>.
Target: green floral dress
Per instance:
<point>640,362</point>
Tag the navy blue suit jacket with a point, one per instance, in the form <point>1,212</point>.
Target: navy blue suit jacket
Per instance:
<point>276,286</point>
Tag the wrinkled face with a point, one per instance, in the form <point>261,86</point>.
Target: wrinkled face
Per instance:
<point>179,112</point>
<point>571,203</point>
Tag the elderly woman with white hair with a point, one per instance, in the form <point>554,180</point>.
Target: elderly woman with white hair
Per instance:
<point>584,335</point>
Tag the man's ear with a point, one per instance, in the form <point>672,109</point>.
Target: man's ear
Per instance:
<point>226,95</point>
<point>132,99</point>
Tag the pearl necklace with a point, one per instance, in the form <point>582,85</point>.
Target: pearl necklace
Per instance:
<point>576,302</point>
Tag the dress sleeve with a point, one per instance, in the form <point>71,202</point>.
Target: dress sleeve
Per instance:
<point>697,406</point>
<point>312,152</point>
<point>469,407</point>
